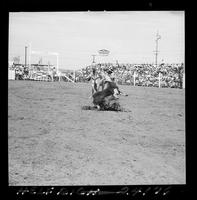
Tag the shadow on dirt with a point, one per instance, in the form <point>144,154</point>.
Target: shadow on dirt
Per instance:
<point>108,104</point>
<point>112,107</point>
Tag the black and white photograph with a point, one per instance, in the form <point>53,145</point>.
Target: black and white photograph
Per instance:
<point>96,98</point>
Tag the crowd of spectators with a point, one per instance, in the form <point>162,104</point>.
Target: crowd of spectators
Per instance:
<point>23,72</point>
<point>171,75</point>
<point>20,71</point>
<point>145,74</point>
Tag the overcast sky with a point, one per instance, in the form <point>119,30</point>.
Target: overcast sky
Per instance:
<point>76,36</point>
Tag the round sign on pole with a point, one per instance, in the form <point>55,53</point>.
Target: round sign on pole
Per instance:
<point>103,52</point>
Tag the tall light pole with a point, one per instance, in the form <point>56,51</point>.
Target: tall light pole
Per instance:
<point>25,56</point>
<point>156,49</point>
<point>57,62</point>
<point>30,54</point>
<point>58,65</point>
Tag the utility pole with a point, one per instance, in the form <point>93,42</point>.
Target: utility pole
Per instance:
<point>57,62</point>
<point>156,49</point>
<point>58,66</point>
<point>25,56</point>
<point>30,55</point>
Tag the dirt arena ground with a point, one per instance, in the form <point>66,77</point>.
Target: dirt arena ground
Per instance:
<point>52,141</point>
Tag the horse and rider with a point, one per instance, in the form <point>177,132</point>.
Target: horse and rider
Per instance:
<point>100,80</point>
<point>103,86</point>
